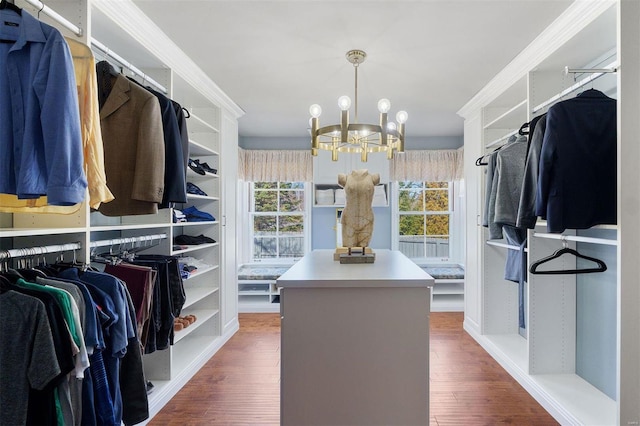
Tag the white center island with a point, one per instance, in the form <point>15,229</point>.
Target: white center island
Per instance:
<point>355,341</point>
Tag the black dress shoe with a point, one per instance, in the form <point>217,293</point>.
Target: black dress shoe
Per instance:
<point>196,167</point>
<point>206,167</point>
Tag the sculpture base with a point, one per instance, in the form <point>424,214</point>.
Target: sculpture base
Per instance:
<point>354,255</point>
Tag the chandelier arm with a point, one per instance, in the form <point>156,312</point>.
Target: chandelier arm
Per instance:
<point>355,66</point>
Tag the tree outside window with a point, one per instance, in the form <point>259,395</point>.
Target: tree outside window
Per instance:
<point>424,219</point>
<point>278,217</point>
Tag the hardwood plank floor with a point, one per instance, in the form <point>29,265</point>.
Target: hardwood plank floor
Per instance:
<point>240,384</point>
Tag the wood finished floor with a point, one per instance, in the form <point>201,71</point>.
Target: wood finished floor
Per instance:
<point>240,384</point>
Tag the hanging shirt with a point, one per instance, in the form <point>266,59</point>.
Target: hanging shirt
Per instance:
<point>40,140</point>
<point>577,181</point>
<point>29,361</point>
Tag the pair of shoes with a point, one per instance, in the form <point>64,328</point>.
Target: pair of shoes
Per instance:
<point>178,216</point>
<point>201,168</point>
<point>193,189</point>
<point>196,167</point>
<point>192,241</point>
<point>205,167</point>
<point>183,322</point>
<point>194,215</point>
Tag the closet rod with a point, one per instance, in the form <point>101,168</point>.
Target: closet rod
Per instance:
<point>503,245</point>
<point>568,70</point>
<point>55,16</point>
<point>126,240</point>
<point>505,137</point>
<point>576,238</point>
<point>596,73</point>
<point>108,52</point>
<point>33,251</point>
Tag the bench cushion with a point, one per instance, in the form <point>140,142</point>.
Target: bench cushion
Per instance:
<point>261,272</point>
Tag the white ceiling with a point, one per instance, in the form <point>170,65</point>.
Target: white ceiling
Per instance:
<point>275,58</point>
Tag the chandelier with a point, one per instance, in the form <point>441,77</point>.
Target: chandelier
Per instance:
<point>357,137</point>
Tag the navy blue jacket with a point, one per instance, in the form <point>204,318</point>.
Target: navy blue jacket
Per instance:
<point>577,178</point>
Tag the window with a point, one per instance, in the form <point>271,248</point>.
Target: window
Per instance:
<point>278,217</point>
<point>424,217</point>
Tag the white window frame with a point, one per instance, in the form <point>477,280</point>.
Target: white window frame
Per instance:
<point>248,235</point>
<point>395,218</point>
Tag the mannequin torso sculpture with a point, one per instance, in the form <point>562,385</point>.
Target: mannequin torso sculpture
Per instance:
<point>357,216</point>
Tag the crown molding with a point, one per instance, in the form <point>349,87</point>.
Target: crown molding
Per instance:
<point>126,15</point>
<point>576,17</point>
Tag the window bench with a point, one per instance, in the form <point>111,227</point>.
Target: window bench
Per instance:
<point>257,290</point>
<point>447,294</point>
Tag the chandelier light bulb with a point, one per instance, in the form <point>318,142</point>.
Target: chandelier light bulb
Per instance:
<point>315,110</point>
<point>384,105</point>
<point>402,117</point>
<point>344,103</point>
<point>391,126</point>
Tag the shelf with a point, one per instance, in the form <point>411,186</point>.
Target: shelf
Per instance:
<point>193,248</point>
<point>198,150</point>
<point>202,197</point>
<point>202,316</point>
<point>194,175</point>
<point>28,232</point>
<point>128,227</point>
<point>201,272</point>
<point>579,399</point>
<point>196,294</point>
<point>196,124</point>
<point>514,116</point>
<point>208,223</point>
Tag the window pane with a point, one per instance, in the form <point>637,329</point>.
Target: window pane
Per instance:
<point>437,247</point>
<point>291,201</point>
<point>411,224</point>
<point>409,184</point>
<point>410,200</point>
<point>438,225</point>
<point>264,225</point>
<point>437,184</point>
<point>291,225</point>
<point>411,246</point>
<point>265,185</point>
<point>437,200</point>
<point>292,247</point>
<point>266,201</point>
<point>291,185</point>
<point>264,248</point>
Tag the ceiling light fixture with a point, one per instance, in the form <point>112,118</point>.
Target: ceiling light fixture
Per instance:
<point>357,137</point>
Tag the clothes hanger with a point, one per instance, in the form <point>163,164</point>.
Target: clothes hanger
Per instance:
<point>524,129</point>
<point>4,4</point>
<point>565,250</point>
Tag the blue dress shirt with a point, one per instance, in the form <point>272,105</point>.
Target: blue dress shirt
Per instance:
<point>40,139</point>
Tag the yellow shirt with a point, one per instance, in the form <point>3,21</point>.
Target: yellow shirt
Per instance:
<point>84,66</point>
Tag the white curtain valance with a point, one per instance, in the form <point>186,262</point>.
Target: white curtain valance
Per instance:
<point>275,165</point>
<point>428,165</point>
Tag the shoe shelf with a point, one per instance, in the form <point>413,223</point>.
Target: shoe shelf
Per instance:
<point>196,149</point>
<point>200,272</point>
<point>202,197</point>
<point>190,249</point>
<point>181,224</point>
<point>202,315</point>
<point>196,294</point>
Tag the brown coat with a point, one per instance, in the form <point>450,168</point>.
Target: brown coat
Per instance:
<point>134,150</point>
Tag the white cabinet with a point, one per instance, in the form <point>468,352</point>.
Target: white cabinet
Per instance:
<point>544,356</point>
<point>343,359</point>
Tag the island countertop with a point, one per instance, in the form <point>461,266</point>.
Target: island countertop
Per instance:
<point>390,269</point>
